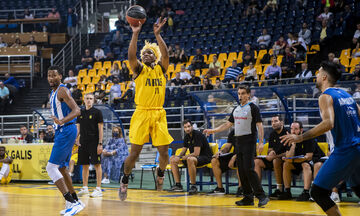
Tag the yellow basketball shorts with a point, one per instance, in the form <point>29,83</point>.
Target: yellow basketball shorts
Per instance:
<point>74,157</point>
<point>145,122</point>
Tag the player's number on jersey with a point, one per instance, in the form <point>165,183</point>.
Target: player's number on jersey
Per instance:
<point>156,90</point>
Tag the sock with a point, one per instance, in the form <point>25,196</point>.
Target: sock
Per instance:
<point>279,187</point>
<point>69,198</point>
<point>160,172</point>
<point>287,190</point>
<point>192,185</point>
<point>74,195</point>
<point>98,188</point>
<point>306,191</point>
<point>125,179</point>
<point>178,184</point>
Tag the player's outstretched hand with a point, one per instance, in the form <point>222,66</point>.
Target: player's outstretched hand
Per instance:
<point>136,29</point>
<point>158,25</point>
<point>207,132</point>
<point>56,120</point>
<point>290,138</point>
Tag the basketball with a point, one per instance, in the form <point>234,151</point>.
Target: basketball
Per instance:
<point>135,14</point>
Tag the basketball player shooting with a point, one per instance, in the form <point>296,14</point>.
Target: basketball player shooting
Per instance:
<point>149,117</point>
<point>340,114</point>
<point>64,111</point>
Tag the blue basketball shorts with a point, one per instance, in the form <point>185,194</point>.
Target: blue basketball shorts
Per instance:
<point>63,144</point>
<point>343,164</point>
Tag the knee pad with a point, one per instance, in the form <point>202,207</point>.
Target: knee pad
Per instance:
<point>322,197</point>
<point>356,190</point>
<point>53,171</point>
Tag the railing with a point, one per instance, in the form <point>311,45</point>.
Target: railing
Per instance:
<point>18,64</point>
<point>6,126</point>
<point>16,14</point>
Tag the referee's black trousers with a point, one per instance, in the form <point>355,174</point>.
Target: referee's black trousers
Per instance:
<point>245,149</point>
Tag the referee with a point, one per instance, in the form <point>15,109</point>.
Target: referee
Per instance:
<point>90,126</point>
<point>246,118</point>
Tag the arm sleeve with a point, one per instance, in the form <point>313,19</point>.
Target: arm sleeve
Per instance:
<point>231,118</point>
<point>255,112</point>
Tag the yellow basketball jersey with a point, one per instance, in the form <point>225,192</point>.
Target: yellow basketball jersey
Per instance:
<point>6,180</point>
<point>150,87</point>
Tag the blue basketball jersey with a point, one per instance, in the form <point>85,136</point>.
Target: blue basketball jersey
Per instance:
<point>59,109</point>
<point>346,131</point>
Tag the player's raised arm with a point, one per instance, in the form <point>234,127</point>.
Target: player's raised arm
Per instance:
<point>327,123</point>
<point>135,65</point>
<point>64,95</point>
<point>162,45</point>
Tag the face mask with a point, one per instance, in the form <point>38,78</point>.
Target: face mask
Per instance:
<point>115,134</point>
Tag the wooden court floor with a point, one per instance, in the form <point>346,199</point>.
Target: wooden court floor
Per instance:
<point>45,200</point>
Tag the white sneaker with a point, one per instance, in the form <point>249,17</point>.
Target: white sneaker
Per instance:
<point>96,193</point>
<point>335,197</point>
<point>73,209</point>
<point>68,204</point>
<point>83,191</point>
<point>105,181</point>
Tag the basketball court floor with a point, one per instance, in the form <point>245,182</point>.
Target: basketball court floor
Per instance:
<point>42,199</point>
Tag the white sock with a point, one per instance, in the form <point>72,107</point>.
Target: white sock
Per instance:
<point>98,188</point>
<point>279,187</point>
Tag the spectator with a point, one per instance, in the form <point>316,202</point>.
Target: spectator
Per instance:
<point>115,71</point>
<point>71,22</point>
<point>124,73</point>
<point>4,97</point>
<point>325,36</point>
<point>2,43</point>
<point>357,72</point>
<point>219,84</point>
<point>233,72</point>
<point>10,80</point>
<point>207,84</point>
<point>77,95</point>
<point>255,100</point>
<point>99,94</point>
<point>305,149</point>
<point>251,73</point>
<point>305,72</point>
<point>248,55</point>
<point>171,54</point>
<point>87,61</point>
<point>288,64</point>
<point>17,43</point>
<point>54,27</point>
<point>299,47</point>
<point>113,156</point>
<point>109,57</point>
<point>271,4</point>
<point>128,96</point>
<point>326,15</point>
<point>27,14</point>
<point>331,57</point>
<point>99,54</point>
<point>25,136</point>
<point>194,80</point>
<point>275,153</point>
<point>179,55</point>
<point>184,75</point>
<point>340,66</point>
<point>264,40</point>
<point>279,46</point>
<point>71,80</point>
<point>253,8</point>
<point>290,39</point>
<point>170,23</point>
<point>355,47</point>
<point>42,135</point>
<point>357,32</point>
<point>177,81</point>
<point>115,90</point>
<point>214,68</point>
<point>200,154</point>
<point>31,41</point>
<point>305,34</point>
<point>50,134</point>
<point>198,60</point>
<point>273,71</point>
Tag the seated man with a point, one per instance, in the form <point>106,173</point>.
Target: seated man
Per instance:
<point>223,161</point>
<point>296,165</point>
<point>10,80</point>
<point>5,168</point>
<point>233,72</point>
<point>4,97</point>
<point>200,154</point>
<point>26,137</point>
<point>87,61</point>
<point>275,153</point>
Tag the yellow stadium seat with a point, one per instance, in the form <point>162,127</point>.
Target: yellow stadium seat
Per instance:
<point>108,72</point>
<point>260,56</point>
<point>214,149</point>
<point>197,72</point>
<point>265,149</point>
<point>258,69</point>
<point>86,80</point>
<point>245,69</point>
<point>90,88</point>
<point>271,52</point>
<point>92,73</point>
<point>117,62</point>
<point>315,47</point>
<point>178,68</point>
<point>171,68</point>
<point>279,59</point>
<point>354,61</point>
<point>97,65</point>
<point>95,79</point>
<point>232,56</point>
<point>81,87</point>
<point>204,71</point>
<point>213,80</point>
<point>324,147</point>
<point>108,87</point>
<point>103,87</point>
<point>210,58</point>
<point>205,58</point>
<point>82,73</point>
<point>345,61</point>
<point>345,53</point>
<point>101,72</point>
<point>239,58</point>
<point>189,61</point>
<point>265,67</point>
<point>222,57</point>
<point>107,65</point>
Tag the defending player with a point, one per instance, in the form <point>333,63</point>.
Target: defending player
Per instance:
<point>64,111</point>
<point>340,114</point>
<point>5,166</point>
<point>149,116</point>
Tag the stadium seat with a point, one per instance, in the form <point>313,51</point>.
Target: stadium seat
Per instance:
<point>107,65</point>
<point>82,73</point>
<point>210,59</point>
<point>239,58</point>
<point>116,62</point>
<point>86,80</point>
<point>92,73</point>
<point>354,61</point>
<point>108,87</point>
<point>95,79</point>
<point>279,59</point>
<point>97,65</point>
<point>171,68</point>
<point>260,56</point>
<point>81,87</point>
<point>101,72</point>
<point>324,146</point>
<point>90,88</point>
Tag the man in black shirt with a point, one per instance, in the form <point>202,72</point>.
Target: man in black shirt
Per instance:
<point>198,60</point>
<point>275,152</point>
<point>177,81</point>
<point>50,134</point>
<point>90,135</point>
<point>304,151</point>
<point>200,154</point>
<point>223,161</point>
<point>194,80</point>
<point>247,122</point>
<point>28,138</point>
